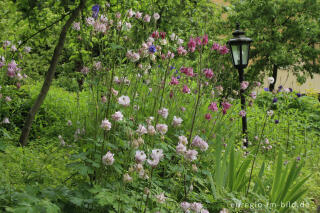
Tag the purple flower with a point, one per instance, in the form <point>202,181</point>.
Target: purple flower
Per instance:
<point>290,89</point>
<point>275,100</point>
<point>276,121</point>
<point>266,89</point>
<point>95,11</point>
<point>152,49</point>
<point>298,95</point>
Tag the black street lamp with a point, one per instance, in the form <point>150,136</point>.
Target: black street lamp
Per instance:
<point>240,46</point>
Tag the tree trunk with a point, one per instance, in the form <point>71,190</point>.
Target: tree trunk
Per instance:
<point>274,75</point>
<point>49,76</point>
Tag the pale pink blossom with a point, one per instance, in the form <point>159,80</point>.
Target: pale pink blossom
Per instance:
<point>6,120</point>
<point>191,155</point>
<point>183,139</point>
<point>196,207</point>
<point>242,113</point>
<point>141,130</point>
<point>138,15</point>
<point>124,100</point>
<point>181,149</point>
<point>90,21</point>
<point>162,128</point>
<point>253,95</point>
<point>76,26</point>
<point>185,206</point>
<point>200,143</point>
<point>161,198</point>
<point>146,18</point>
<point>108,159</point>
<point>85,70</point>
<point>244,85</point>
<point>117,116</point>
<point>114,92</point>
<point>176,121</point>
<point>127,178</point>
<point>156,16</point>
<point>163,112</point>
<point>106,125</point>
<point>151,130</point>
<point>140,156</point>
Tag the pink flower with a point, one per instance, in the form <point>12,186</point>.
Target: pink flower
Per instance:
<point>114,92</point>
<point>213,107</point>
<point>117,116</point>
<point>85,70</point>
<point>244,85</point>
<point>130,13</point>
<point>182,51</point>
<point>13,48</point>
<point>198,41</point>
<point>155,34</point>
<point>185,206</point>
<point>176,121</point>
<point>183,139</point>
<point>205,40</point>
<point>8,99</point>
<point>108,159</point>
<point>104,99</point>
<point>141,130</point>
<point>223,50</point>
<point>106,125</point>
<point>208,116</point>
<point>156,156</point>
<point>192,45</point>
<point>200,143</point>
<point>191,155</point>
<point>253,95</point>
<point>174,81</point>
<point>127,178</point>
<point>6,120</point>
<point>208,73</point>
<point>187,70</point>
<point>162,128</point>
<point>140,156</point>
<point>146,18</point>
<point>181,149</point>
<point>156,16</point>
<point>161,198</point>
<point>163,112</point>
<point>196,207</point>
<point>124,100</point>
<point>225,106</point>
<point>76,26</point>
<point>215,46</point>
<point>138,15</point>
<point>242,113</point>
<point>163,35</point>
<point>151,130</point>
<point>185,89</point>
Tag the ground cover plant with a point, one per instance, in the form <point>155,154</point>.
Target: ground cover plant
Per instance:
<point>143,116</point>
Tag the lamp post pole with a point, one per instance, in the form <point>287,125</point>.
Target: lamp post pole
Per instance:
<point>240,46</point>
<point>243,107</point>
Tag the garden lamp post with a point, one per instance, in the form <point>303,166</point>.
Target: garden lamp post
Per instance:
<point>240,46</point>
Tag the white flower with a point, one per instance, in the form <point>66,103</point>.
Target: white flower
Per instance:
<point>271,80</point>
<point>106,125</point>
<point>181,149</point>
<point>163,42</point>
<point>117,116</point>
<point>151,130</point>
<point>161,198</point>
<point>90,21</point>
<point>108,159</point>
<point>141,130</point>
<point>176,121</point>
<point>140,156</point>
<point>127,178</point>
<point>156,16</point>
<point>164,112</point>
<point>173,36</point>
<point>183,139</point>
<point>124,100</point>
<point>180,41</point>
<point>270,113</point>
<point>162,128</point>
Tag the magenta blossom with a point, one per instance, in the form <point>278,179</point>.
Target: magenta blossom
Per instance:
<point>174,81</point>
<point>185,89</point>
<point>187,70</point>
<point>182,51</point>
<point>208,116</point>
<point>225,106</point>
<point>213,107</point>
<point>223,50</point>
<point>215,46</point>
<point>192,44</point>
<point>205,40</point>
<point>208,73</point>
<point>242,113</point>
<point>244,85</point>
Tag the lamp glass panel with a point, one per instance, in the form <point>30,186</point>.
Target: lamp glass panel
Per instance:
<point>245,53</point>
<point>236,54</point>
